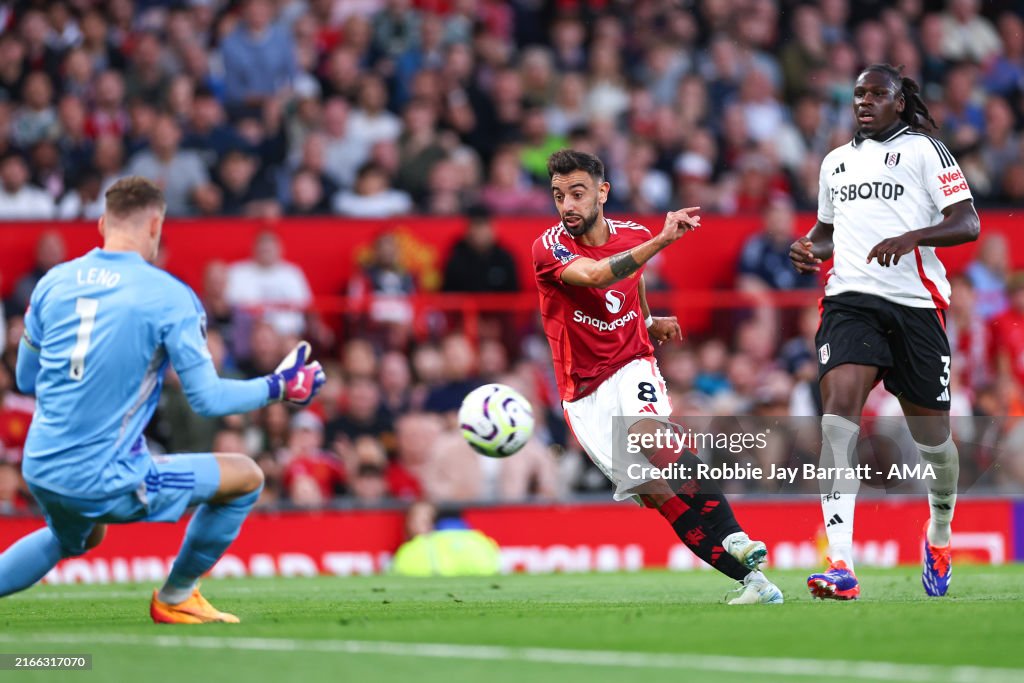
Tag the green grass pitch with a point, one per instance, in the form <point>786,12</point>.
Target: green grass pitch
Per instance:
<point>576,627</point>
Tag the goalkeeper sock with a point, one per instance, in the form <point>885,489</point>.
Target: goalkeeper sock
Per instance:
<point>691,530</point>
<point>702,495</point>
<point>839,437</point>
<point>28,560</point>
<point>211,531</point>
<point>945,462</point>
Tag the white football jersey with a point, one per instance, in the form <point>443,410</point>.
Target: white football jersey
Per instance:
<point>872,190</point>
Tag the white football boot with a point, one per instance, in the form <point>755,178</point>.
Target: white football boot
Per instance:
<point>756,589</point>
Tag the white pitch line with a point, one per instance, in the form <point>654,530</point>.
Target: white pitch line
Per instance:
<point>874,671</point>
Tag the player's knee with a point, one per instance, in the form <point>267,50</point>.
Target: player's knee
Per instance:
<point>251,476</point>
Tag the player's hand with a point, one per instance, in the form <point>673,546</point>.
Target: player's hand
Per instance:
<point>802,256</point>
<point>665,329</point>
<point>889,251</point>
<point>678,223</point>
<point>296,380</point>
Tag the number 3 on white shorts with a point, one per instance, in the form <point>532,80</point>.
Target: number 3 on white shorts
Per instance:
<point>85,308</point>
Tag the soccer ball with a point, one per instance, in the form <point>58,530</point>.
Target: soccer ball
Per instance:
<point>496,420</point>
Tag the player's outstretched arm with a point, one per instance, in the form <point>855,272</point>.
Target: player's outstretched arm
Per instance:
<point>960,225</point>
<point>587,272</point>
<point>297,380</point>
<point>807,253</point>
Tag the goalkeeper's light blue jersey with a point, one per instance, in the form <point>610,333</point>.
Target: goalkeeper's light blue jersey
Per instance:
<point>105,326</point>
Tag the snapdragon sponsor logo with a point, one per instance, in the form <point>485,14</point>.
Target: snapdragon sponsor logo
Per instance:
<point>601,325</point>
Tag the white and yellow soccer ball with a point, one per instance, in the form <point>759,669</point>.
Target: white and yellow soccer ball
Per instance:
<point>496,420</point>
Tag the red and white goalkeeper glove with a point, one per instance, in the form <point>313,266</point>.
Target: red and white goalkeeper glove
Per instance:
<point>295,380</point>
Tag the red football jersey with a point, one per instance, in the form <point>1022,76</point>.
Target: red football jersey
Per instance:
<point>593,332</point>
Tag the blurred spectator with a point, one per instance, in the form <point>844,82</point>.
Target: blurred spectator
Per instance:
<point>85,200</point>
<point>180,173</point>
<point>363,414</point>
<point>419,149</point>
<point>508,190</point>
<point>311,475</point>
<point>805,136</point>
<point>47,169</point>
<point>245,191</point>
<point>307,194</point>
<point>76,149</point>
<point>12,67</point>
<point>987,274</point>
<point>206,130</point>
<point>415,435</point>
<point>108,115</point>
<point>477,262</point>
<point>219,312</point>
<point>15,417</point>
<point>18,199</point>
<point>270,287</point>
<point>966,35</point>
<point>459,371</point>
<point>968,336</point>
<point>50,251</point>
<point>395,382</point>
<point>259,57</point>
<point>97,44</point>
<point>1006,332</point>
<point>371,122</point>
<point>108,158</point>
<point>382,288</point>
<point>538,144</point>
<point>1004,75</point>
<point>805,53</point>
<point>372,196</point>
<point>343,153</point>
<point>147,77</point>
<point>36,118</point>
<point>765,256</point>
<point>368,482</point>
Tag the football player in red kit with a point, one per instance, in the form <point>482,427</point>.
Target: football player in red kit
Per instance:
<point>589,272</point>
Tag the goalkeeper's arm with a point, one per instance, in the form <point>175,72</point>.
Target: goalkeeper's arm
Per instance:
<point>296,380</point>
<point>211,395</point>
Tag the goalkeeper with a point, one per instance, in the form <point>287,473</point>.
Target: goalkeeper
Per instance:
<point>99,334</point>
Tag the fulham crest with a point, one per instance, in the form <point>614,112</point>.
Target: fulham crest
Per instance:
<point>892,158</point>
<point>824,353</point>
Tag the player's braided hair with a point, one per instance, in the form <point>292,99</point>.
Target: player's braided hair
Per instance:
<point>915,111</point>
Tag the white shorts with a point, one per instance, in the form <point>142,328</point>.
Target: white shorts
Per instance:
<point>635,392</point>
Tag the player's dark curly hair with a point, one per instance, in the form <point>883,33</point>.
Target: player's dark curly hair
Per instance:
<point>915,111</point>
<point>565,161</point>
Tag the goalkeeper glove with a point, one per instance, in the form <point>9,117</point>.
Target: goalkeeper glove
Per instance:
<point>295,380</point>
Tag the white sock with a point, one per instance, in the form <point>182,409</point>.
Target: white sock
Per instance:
<point>173,595</point>
<point>945,462</point>
<point>839,437</point>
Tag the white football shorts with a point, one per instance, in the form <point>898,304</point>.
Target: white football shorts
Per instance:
<point>635,392</point>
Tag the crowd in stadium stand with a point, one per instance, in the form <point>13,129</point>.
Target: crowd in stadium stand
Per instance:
<point>374,108</point>
<point>384,107</point>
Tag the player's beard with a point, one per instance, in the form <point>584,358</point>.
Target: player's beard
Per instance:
<point>586,222</point>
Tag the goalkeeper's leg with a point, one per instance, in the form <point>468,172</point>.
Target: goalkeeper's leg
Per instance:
<point>237,482</point>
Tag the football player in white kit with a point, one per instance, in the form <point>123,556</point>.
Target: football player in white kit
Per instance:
<point>886,200</point>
